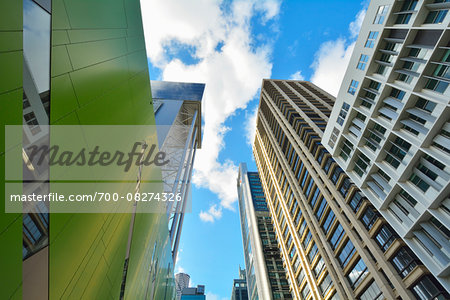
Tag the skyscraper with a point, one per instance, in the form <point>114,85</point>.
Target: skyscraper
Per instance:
<point>333,241</point>
<point>239,291</point>
<point>390,127</point>
<point>266,277</point>
<point>181,282</point>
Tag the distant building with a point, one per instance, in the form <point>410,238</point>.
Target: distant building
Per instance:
<point>266,277</point>
<point>181,282</point>
<point>192,293</point>
<point>239,291</point>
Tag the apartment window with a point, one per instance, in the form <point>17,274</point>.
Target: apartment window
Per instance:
<point>373,292</point>
<point>361,164</point>
<point>397,94</point>
<point>397,152</point>
<point>345,187</point>
<point>427,288</point>
<point>323,204</point>
<point>440,227</point>
<point>319,267</point>
<point>346,149</point>
<point>301,276</point>
<point>404,15</point>
<point>356,201</point>
<point>385,237</point>
<point>404,262</point>
<point>370,42</point>
<point>369,217</point>
<point>358,273</point>
<point>436,16</point>
<point>352,87</point>
<point>312,252</point>
<point>425,105</point>
<point>314,198</point>
<point>363,59</point>
<point>381,14</point>
<point>343,113</point>
<point>335,133</point>
<point>337,236</point>
<point>381,69</point>
<point>305,292</point>
<point>441,73</point>
<point>328,221</point>
<point>326,284</point>
<point>307,239</point>
<point>346,253</point>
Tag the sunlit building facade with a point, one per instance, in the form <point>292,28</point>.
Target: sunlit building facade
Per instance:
<point>266,277</point>
<point>390,126</point>
<point>334,243</point>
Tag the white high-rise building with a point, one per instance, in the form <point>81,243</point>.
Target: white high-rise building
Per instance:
<point>390,126</point>
<point>181,282</point>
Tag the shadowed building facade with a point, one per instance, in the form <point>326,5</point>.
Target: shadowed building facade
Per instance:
<point>334,243</point>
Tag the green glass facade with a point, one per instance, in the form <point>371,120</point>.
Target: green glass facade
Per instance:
<point>99,76</point>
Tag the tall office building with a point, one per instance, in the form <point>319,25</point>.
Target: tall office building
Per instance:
<point>181,282</point>
<point>334,242</point>
<point>82,63</point>
<point>177,107</point>
<point>239,291</point>
<point>194,293</point>
<point>266,277</point>
<point>390,127</point>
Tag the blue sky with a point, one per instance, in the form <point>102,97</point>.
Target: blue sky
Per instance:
<point>231,46</point>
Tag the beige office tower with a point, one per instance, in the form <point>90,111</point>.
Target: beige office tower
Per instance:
<point>390,127</point>
<point>334,242</point>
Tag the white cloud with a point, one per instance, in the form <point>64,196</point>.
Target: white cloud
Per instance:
<point>250,125</point>
<point>332,58</point>
<point>212,214</point>
<point>232,74</point>
<point>297,76</point>
<point>355,26</point>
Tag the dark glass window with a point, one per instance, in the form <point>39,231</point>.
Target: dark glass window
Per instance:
<point>358,273</point>
<point>356,201</point>
<point>427,288</point>
<point>405,261</point>
<point>369,217</point>
<point>385,237</point>
<point>337,236</point>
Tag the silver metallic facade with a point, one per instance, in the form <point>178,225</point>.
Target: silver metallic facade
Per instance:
<point>177,108</point>
<point>390,127</point>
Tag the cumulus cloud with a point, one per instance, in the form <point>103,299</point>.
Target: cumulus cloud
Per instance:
<point>227,60</point>
<point>297,76</point>
<point>214,212</point>
<point>250,125</point>
<point>332,58</point>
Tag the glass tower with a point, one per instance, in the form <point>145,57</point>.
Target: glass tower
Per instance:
<point>266,277</point>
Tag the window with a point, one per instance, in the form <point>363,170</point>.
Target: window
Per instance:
<point>319,267</point>
<point>404,261</point>
<point>369,217</point>
<point>346,253</point>
<point>397,94</point>
<point>337,236</point>
<point>381,14</point>
<point>345,187</point>
<point>326,284</point>
<point>361,164</point>
<point>436,16</point>
<point>328,221</point>
<point>356,201</point>
<point>362,62</point>
<point>358,273</point>
<point>305,291</point>
<point>397,152</point>
<point>385,237</point>
<point>370,42</point>
<point>425,105</point>
<point>352,87</point>
<point>343,114</point>
<point>373,292</point>
<point>346,149</point>
<point>427,288</point>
